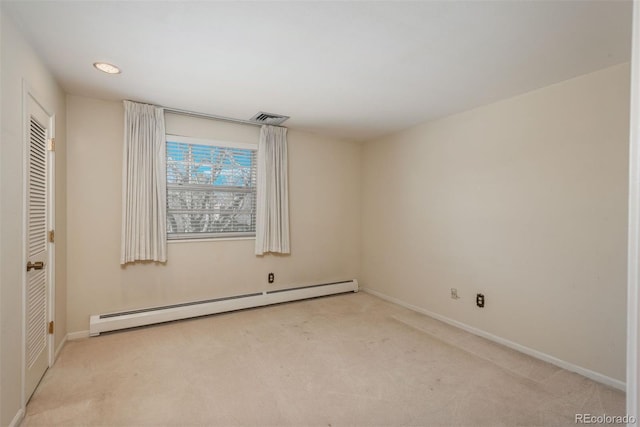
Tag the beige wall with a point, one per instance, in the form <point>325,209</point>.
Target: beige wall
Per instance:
<point>324,210</point>
<point>524,200</point>
<point>19,63</point>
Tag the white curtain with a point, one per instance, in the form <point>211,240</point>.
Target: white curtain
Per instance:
<point>272,209</point>
<point>144,195</point>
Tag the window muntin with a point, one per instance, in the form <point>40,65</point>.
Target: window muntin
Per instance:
<point>211,189</point>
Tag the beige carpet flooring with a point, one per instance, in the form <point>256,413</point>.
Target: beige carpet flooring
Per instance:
<point>347,360</point>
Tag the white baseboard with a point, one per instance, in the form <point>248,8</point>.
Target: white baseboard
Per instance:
<point>620,385</point>
<point>71,336</point>
<point>15,422</point>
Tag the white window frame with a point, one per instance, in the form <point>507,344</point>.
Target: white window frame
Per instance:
<point>208,237</point>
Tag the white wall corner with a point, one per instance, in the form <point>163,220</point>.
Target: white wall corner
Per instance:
<point>596,376</point>
<point>59,348</point>
<point>17,419</point>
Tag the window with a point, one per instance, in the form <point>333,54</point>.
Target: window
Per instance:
<point>211,188</point>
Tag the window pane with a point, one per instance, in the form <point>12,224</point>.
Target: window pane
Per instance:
<point>210,190</point>
<point>203,164</point>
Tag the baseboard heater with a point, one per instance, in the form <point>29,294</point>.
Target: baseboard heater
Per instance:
<point>148,316</point>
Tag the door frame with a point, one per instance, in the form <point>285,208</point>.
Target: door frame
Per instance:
<point>28,92</point>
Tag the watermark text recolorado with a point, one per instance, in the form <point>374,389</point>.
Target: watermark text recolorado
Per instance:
<point>605,419</point>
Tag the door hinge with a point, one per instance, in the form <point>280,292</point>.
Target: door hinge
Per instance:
<point>52,144</point>
<point>52,236</point>
<point>50,327</point>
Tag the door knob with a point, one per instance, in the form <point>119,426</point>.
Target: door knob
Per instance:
<point>39,265</point>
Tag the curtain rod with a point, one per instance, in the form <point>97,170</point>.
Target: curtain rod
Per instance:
<point>209,116</point>
<point>203,115</point>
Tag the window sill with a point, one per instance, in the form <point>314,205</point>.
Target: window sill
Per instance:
<point>211,239</point>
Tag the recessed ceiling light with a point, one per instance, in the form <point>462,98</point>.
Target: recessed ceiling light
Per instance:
<point>107,68</point>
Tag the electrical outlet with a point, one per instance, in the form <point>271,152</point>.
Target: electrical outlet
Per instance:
<point>454,293</point>
<point>271,277</point>
<point>480,300</point>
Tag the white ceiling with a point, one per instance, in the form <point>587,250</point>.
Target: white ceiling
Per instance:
<point>356,70</point>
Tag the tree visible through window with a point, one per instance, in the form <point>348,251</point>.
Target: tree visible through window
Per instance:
<point>211,189</point>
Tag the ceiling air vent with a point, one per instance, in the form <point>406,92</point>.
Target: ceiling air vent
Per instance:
<point>269,118</point>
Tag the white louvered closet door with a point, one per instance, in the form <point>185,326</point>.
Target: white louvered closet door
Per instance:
<point>37,246</point>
